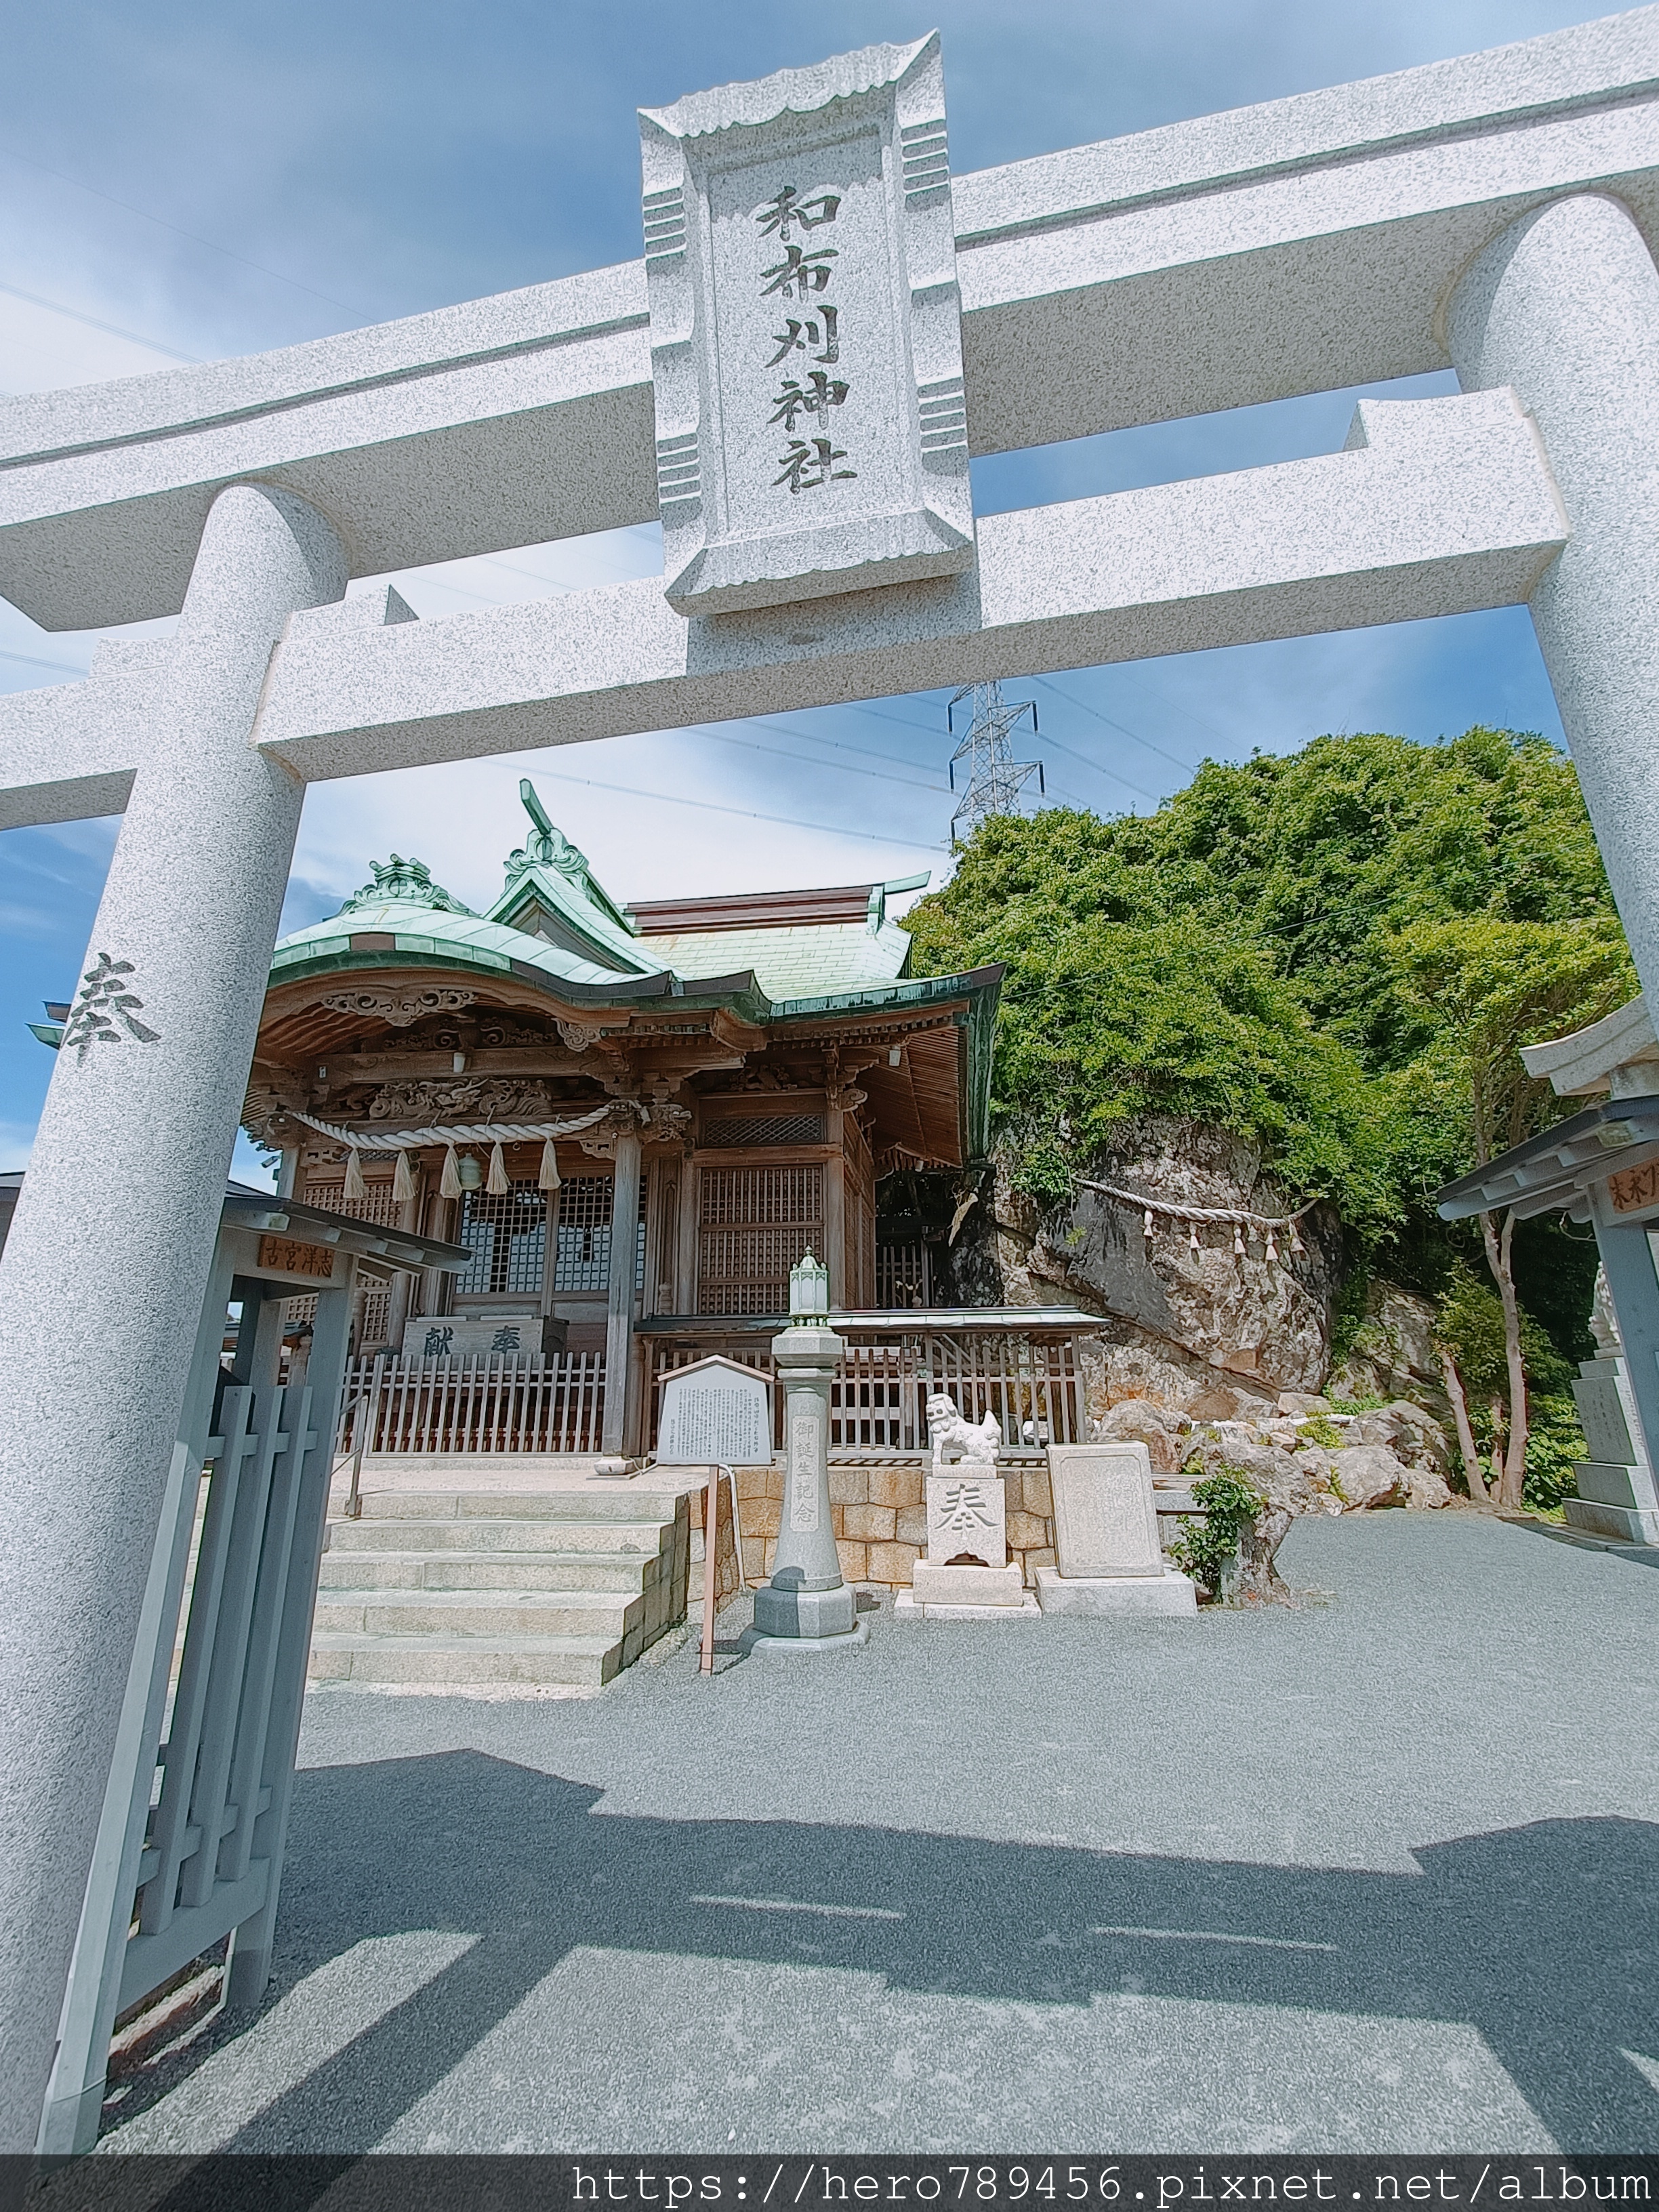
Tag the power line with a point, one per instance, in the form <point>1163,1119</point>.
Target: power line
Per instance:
<point>1108,774</point>
<point>777,753</point>
<point>92,322</point>
<point>843,745</point>
<point>1123,729</point>
<point>194,237</point>
<point>1174,707</point>
<point>747,814</point>
<point>30,660</point>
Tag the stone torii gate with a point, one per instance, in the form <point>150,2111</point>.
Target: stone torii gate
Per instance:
<point>823,330</point>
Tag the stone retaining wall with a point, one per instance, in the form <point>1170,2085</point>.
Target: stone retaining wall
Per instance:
<point>880,1529</point>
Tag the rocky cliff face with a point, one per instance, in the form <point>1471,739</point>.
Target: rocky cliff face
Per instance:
<point>1393,1354</point>
<point>1212,1332</point>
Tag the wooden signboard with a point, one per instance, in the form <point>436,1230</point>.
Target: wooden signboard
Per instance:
<point>284,1255</point>
<point>1634,1190</point>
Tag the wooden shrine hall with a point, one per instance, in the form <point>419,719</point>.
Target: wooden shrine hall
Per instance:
<point>634,1119</point>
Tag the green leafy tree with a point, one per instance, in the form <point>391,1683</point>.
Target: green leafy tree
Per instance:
<point>1486,987</point>
<point>1334,954</point>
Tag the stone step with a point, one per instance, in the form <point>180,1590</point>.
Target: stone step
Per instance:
<point>490,1614</point>
<point>490,1570</point>
<point>624,1503</point>
<point>645,1537</point>
<point>584,1662</point>
<point>476,1588</point>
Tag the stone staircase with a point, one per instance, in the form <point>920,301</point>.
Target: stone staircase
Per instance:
<point>474,1587</point>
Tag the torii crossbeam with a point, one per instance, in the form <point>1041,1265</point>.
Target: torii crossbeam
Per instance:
<point>876,325</point>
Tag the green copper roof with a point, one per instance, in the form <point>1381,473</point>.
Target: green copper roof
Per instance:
<point>791,961</point>
<point>409,881</point>
<point>554,925</point>
<point>452,938</point>
<point>550,891</point>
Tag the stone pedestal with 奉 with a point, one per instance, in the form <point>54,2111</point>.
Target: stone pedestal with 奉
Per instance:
<point>1106,1537</point>
<point>965,1570</point>
<point>807,1605</point>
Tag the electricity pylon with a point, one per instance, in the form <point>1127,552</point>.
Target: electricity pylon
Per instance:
<point>995,778</point>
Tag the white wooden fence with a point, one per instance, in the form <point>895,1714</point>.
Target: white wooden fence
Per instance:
<point>1028,1379</point>
<point>488,1402</point>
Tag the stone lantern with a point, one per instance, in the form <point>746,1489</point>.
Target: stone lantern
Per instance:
<point>807,1607</point>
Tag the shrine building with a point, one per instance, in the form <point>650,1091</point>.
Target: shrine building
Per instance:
<point>636,1119</point>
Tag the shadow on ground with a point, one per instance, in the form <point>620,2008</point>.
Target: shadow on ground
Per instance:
<point>1544,1938</point>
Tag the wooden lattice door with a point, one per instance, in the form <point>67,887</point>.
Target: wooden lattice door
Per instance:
<point>753,1224</point>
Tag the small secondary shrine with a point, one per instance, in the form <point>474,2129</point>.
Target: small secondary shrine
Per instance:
<point>626,1114</point>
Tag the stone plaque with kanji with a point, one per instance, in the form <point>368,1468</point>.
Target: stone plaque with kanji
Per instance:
<point>1601,1413</point>
<point>715,1413</point>
<point>1105,1519</point>
<point>967,1516</point>
<point>805,333</point>
<point>473,1336</point>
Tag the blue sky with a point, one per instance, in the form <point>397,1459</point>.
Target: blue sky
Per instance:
<point>190,181</point>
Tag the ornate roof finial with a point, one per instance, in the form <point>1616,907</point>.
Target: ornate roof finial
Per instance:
<point>546,846</point>
<point>409,881</point>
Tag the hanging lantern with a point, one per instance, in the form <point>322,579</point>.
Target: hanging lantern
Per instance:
<point>354,1176</point>
<point>403,1180</point>
<point>471,1173</point>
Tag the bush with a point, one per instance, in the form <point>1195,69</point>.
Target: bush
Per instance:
<point>1554,1441</point>
<point>1206,1549</point>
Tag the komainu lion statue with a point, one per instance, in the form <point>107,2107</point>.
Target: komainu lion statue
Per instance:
<point>953,1438</point>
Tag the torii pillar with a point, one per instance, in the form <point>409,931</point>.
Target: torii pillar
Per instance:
<point>1564,308</point>
<point>101,1293</point>
<point>784,384</point>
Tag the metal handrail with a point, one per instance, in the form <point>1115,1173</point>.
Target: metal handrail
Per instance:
<point>360,1432</point>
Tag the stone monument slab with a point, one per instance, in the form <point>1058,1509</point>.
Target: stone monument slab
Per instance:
<point>482,1336</point>
<point>1105,1519</point>
<point>1601,1412</point>
<point>715,1412</point>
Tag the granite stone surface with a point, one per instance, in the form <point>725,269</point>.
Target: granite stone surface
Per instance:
<point>1297,246</point>
<point>935,1585</point>
<point>1117,1597</point>
<point>1105,1519</point>
<point>100,1292</point>
<point>1439,507</point>
<point>967,1509</point>
<point>805,333</point>
<point>1563,309</point>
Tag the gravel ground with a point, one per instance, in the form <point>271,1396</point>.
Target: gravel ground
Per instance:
<point>1380,1873</point>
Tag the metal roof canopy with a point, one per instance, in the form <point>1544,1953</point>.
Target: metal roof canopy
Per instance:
<point>1557,1169</point>
<point>380,1252</point>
